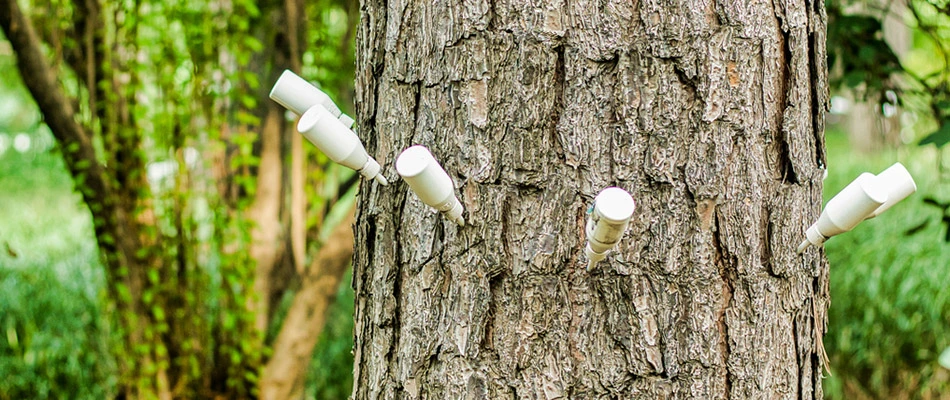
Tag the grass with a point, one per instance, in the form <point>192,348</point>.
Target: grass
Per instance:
<point>45,225</point>
<point>890,308</point>
<point>54,342</point>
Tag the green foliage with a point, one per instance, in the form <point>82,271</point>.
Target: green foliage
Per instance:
<point>16,116</point>
<point>860,58</point>
<point>330,60</point>
<point>888,321</point>
<point>938,138</point>
<point>171,77</point>
<point>856,45</point>
<point>54,342</point>
<point>331,374</point>
<point>943,218</point>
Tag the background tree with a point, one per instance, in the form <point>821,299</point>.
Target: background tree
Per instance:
<point>711,114</point>
<point>195,181</point>
<point>865,59</point>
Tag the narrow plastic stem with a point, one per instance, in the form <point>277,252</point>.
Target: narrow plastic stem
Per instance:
<point>803,246</point>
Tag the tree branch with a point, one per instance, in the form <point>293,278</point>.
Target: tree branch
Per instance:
<point>39,78</point>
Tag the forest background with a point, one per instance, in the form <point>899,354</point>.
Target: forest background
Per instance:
<point>889,321</point>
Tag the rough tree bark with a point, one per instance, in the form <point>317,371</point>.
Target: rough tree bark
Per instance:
<point>709,113</point>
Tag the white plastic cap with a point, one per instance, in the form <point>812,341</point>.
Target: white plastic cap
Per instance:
<point>608,220</point>
<point>846,210</point>
<point>898,183</point>
<point>338,142</point>
<point>298,95</point>
<point>614,204</point>
<point>429,181</point>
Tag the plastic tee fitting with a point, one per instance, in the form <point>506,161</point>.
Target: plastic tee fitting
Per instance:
<point>609,216</point>
<point>430,182</point>
<point>338,142</point>
<point>298,95</point>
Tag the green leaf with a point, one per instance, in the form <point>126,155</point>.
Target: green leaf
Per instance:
<point>917,228</point>
<point>249,101</point>
<point>855,78</point>
<point>247,118</point>
<point>252,43</point>
<point>943,105</point>
<point>158,312</point>
<point>867,53</point>
<point>939,138</point>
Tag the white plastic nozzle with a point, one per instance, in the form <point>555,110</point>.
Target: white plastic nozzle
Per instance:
<point>430,182</point>
<point>608,220</point>
<point>855,203</point>
<point>898,183</point>
<point>298,95</point>
<point>347,120</point>
<point>338,142</point>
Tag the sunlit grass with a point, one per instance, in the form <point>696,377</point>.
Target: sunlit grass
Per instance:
<point>54,340</point>
<point>43,223</point>
<point>890,307</point>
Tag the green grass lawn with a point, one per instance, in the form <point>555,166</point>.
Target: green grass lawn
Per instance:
<point>54,341</point>
<point>43,220</point>
<point>890,304</point>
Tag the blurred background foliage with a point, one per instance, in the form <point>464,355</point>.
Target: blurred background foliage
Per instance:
<point>889,321</point>
<point>173,96</point>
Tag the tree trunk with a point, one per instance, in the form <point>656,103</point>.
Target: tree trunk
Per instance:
<point>285,374</point>
<point>710,114</point>
<point>869,128</point>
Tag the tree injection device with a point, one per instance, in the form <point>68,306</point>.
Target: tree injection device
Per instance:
<point>866,197</point>
<point>298,95</point>
<point>607,220</point>
<point>430,182</point>
<point>338,142</point>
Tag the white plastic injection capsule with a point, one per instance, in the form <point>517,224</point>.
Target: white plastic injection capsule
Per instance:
<point>855,203</point>
<point>866,197</point>
<point>338,142</point>
<point>430,182</point>
<point>609,216</point>
<point>298,95</point>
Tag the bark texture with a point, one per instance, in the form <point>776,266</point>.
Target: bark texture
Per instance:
<point>709,113</point>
